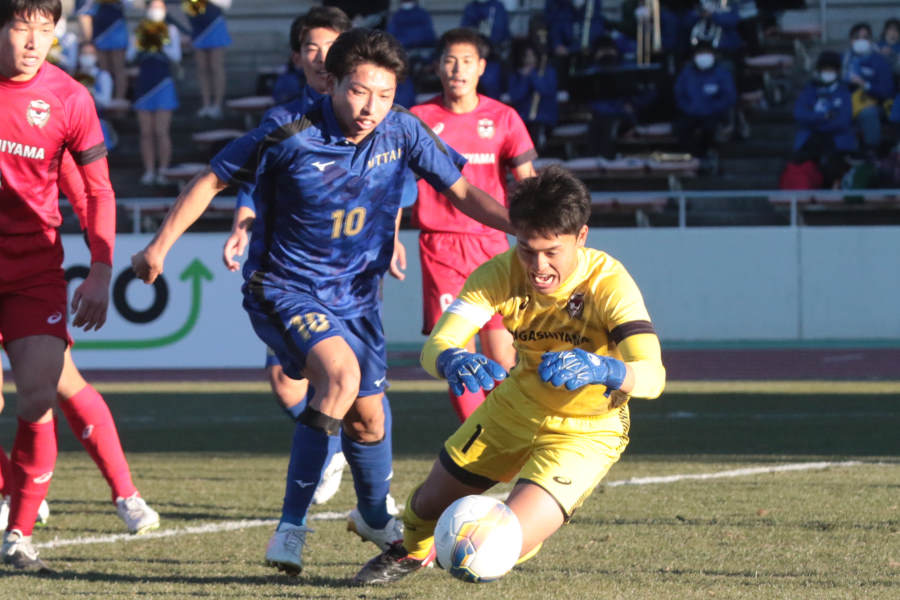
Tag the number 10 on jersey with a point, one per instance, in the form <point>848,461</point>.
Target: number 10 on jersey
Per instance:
<point>347,223</point>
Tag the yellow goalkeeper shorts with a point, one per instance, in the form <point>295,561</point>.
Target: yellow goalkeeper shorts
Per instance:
<point>509,435</point>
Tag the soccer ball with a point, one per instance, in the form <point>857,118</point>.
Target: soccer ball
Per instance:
<point>478,539</point>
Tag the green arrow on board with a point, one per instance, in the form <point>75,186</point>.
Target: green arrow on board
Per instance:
<point>196,272</point>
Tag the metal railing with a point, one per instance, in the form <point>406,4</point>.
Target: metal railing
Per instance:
<point>793,200</point>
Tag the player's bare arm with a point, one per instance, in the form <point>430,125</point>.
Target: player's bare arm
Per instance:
<point>191,203</point>
<point>239,237</point>
<point>479,205</point>
<point>398,259</point>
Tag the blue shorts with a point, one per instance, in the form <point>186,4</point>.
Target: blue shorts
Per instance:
<point>215,35</point>
<point>290,323</point>
<point>162,96</point>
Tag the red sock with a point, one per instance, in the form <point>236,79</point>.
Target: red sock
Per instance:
<point>6,476</point>
<point>93,425</point>
<point>33,459</point>
<point>466,404</point>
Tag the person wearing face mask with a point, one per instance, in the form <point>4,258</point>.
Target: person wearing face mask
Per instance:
<point>704,94</point>
<point>100,84</point>
<point>155,47</point>
<point>871,82</point>
<point>823,117</point>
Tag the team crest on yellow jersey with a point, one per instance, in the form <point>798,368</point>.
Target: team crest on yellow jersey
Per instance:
<point>575,305</point>
<point>38,113</point>
<point>486,128</point>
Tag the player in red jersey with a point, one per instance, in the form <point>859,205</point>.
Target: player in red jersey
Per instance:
<point>45,112</point>
<point>493,138</point>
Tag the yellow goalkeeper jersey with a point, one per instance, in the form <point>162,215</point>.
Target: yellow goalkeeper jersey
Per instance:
<point>599,308</point>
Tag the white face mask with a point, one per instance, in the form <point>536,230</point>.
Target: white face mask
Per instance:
<point>407,5</point>
<point>862,46</point>
<point>827,77</point>
<point>60,29</point>
<point>87,61</point>
<point>704,60</point>
<point>156,14</point>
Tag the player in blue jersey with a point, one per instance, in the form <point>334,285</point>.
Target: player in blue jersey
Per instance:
<point>328,184</point>
<point>312,34</point>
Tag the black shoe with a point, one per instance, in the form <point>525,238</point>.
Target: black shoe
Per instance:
<point>389,566</point>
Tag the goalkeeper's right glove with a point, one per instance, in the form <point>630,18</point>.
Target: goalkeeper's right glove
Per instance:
<point>468,370</point>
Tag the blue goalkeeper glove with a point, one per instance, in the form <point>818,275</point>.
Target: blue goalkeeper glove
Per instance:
<point>468,370</point>
<point>577,368</point>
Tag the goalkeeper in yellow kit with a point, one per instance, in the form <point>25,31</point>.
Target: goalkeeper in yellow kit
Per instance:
<point>585,345</point>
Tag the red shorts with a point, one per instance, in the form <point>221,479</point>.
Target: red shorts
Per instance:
<point>447,260</point>
<point>32,286</point>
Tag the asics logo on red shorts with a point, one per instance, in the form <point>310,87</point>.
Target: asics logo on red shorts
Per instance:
<point>54,318</point>
<point>86,433</point>
<point>43,478</point>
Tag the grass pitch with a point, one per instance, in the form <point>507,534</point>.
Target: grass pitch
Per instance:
<point>726,491</point>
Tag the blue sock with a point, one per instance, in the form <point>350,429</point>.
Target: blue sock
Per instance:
<point>309,452</point>
<point>371,465</point>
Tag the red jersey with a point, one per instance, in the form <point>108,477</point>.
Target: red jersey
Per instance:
<point>42,118</point>
<point>493,138</point>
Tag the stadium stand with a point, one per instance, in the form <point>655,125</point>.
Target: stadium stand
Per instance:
<point>647,154</point>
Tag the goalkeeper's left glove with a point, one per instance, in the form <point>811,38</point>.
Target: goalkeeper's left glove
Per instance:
<point>577,368</point>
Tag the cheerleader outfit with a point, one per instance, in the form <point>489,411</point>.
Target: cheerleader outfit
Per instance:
<point>155,87</point>
<point>110,29</point>
<point>208,29</point>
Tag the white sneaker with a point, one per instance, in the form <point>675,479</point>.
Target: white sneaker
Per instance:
<point>18,551</point>
<point>162,180</point>
<point>383,538</point>
<point>148,178</point>
<point>42,518</point>
<point>285,549</point>
<point>331,479</point>
<point>138,517</point>
<point>214,112</point>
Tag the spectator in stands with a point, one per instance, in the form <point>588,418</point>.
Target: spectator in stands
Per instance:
<point>209,37</point>
<point>532,90</point>
<point>572,27</point>
<point>363,13</point>
<point>490,18</point>
<point>412,26</point>
<point>871,82</point>
<point>110,36</point>
<point>157,45</point>
<point>823,113</point>
<point>414,29</point>
<point>311,36</point>
<point>704,94</point>
<point>100,84</point>
<point>613,115</point>
<point>889,43</point>
<point>64,51</point>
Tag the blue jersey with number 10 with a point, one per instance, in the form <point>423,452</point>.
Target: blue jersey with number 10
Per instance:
<point>327,206</point>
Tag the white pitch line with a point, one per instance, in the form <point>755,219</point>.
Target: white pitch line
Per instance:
<point>335,516</point>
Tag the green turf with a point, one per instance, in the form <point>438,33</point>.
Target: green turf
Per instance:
<point>217,455</point>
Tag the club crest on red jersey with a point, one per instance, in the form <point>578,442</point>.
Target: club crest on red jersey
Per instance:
<point>38,113</point>
<point>486,128</point>
<point>575,305</point>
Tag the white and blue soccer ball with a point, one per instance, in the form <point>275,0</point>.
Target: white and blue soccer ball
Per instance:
<point>478,539</point>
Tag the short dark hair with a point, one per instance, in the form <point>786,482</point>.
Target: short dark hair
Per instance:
<point>328,17</point>
<point>553,202</point>
<point>890,23</point>
<point>362,45</point>
<point>859,27</point>
<point>464,35</point>
<point>9,9</point>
